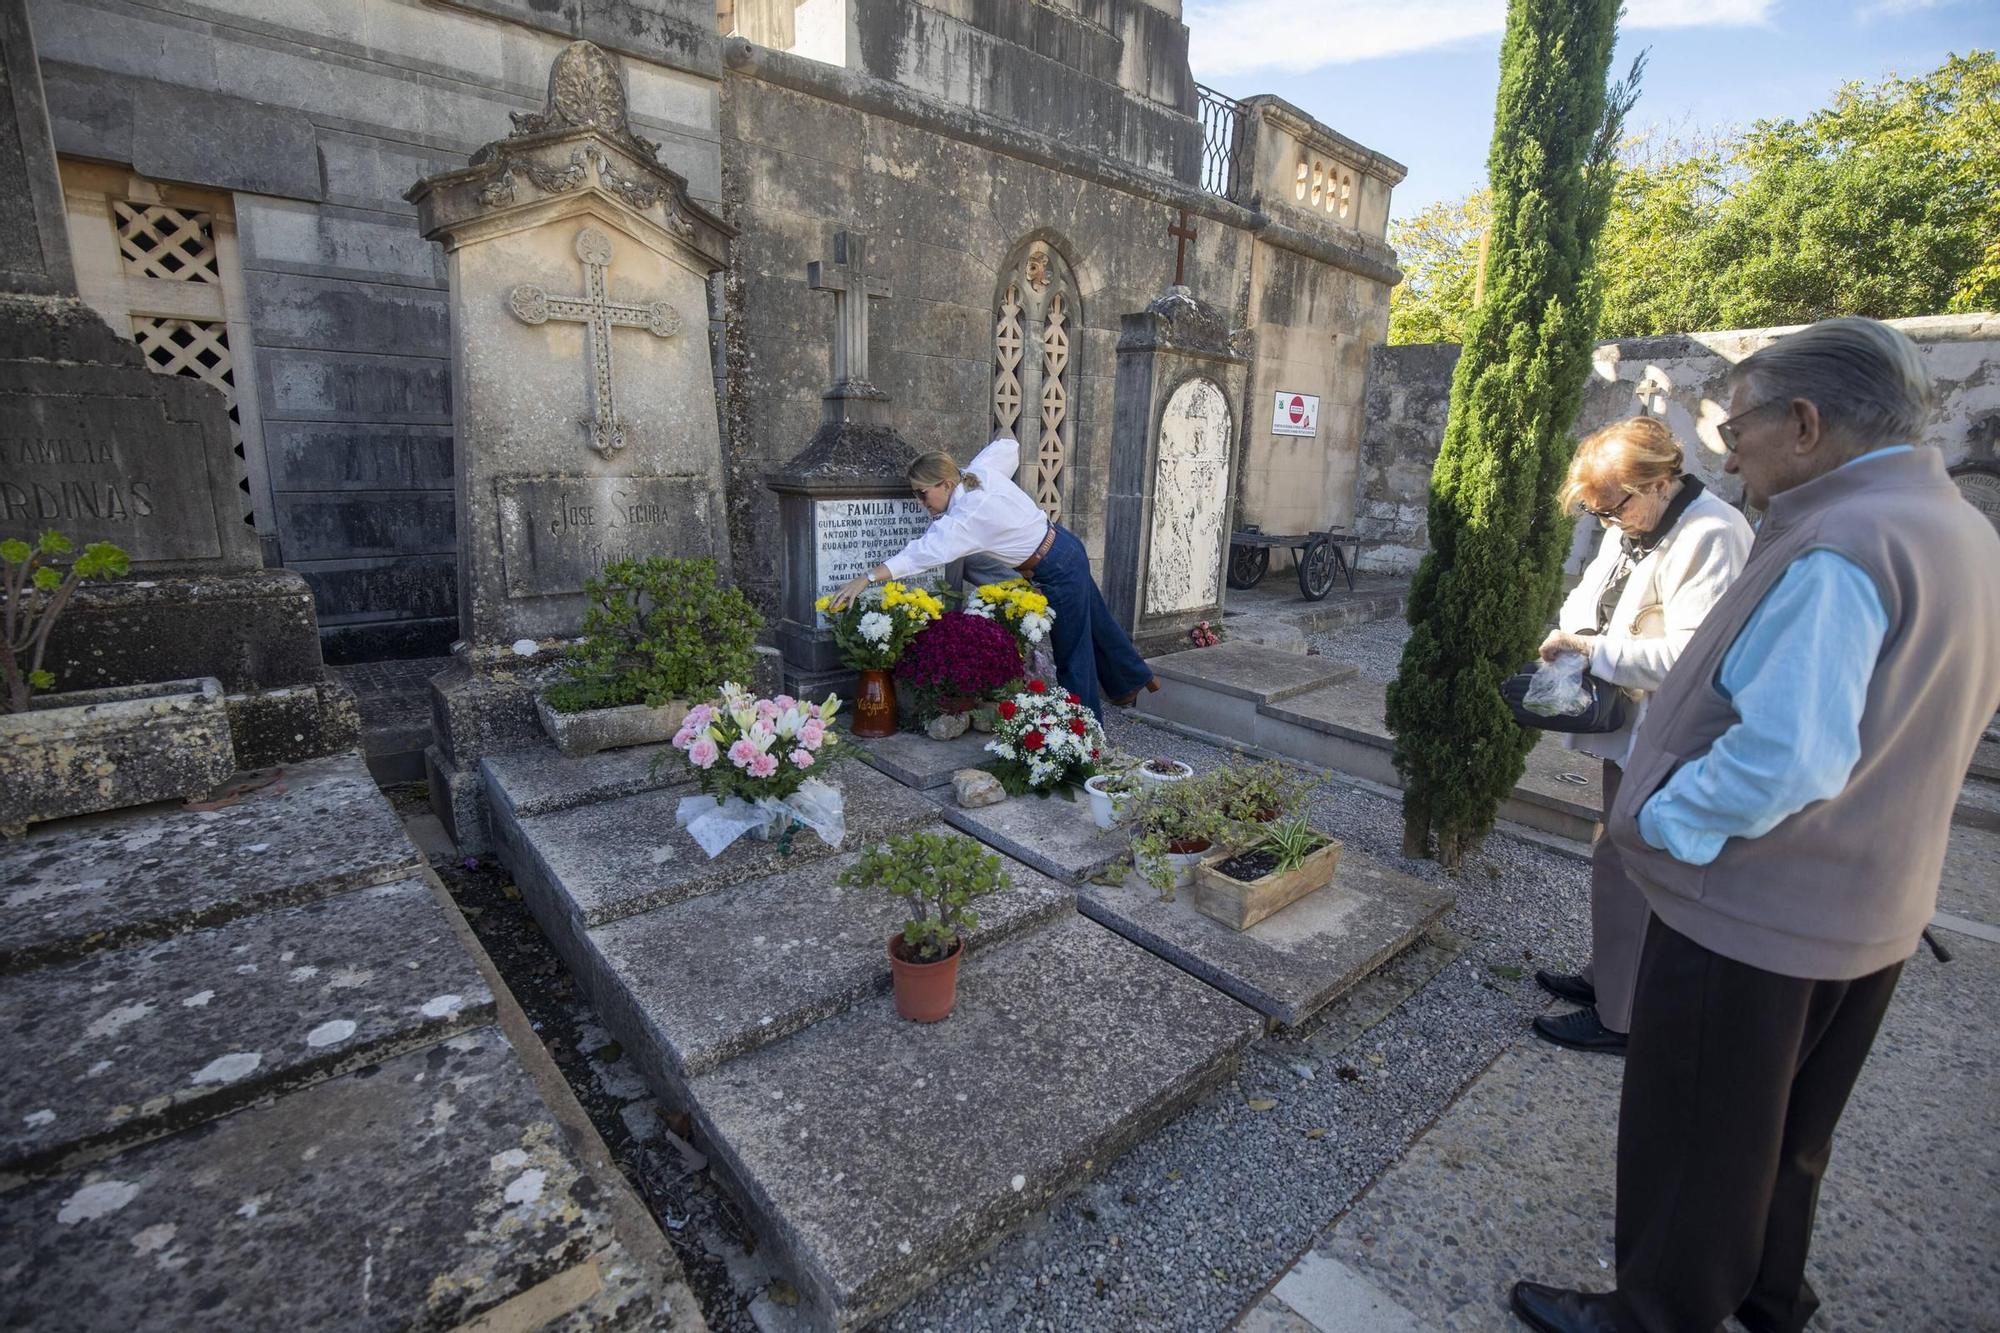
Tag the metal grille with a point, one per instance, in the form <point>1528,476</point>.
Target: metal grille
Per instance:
<point>161,242</point>
<point>1221,124</point>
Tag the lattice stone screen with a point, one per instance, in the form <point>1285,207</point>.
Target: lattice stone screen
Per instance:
<point>1040,295</point>
<point>161,242</point>
<point>197,348</point>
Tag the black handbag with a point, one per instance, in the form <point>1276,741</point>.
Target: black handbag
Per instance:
<point>1607,711</point>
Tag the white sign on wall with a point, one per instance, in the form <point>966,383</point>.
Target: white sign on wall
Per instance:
<point>1295,413</point>
<point>851,537</point>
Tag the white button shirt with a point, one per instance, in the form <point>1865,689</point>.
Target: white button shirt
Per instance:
<point>999,518</point>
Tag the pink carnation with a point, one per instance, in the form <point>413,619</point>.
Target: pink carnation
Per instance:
<point>802,758</point>
<point>766,710</point>
<point>699,717</point>
<point>785,701</point>
<point>812,733</point>
<point>763,766</point>
<point>743,753</point>
<point>684,737</point>
<point>703,753</point>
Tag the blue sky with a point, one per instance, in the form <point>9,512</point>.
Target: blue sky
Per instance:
<point>1414,79</point>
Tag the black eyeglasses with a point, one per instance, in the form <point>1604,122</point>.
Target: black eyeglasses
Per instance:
<point>1727,430</point>
<point>1607,514</point>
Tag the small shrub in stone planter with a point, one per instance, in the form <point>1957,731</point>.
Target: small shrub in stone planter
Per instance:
<point>1241,888</point>
<point>36,583</point>
<point>940,874</point>
<point>658,634</point>
<point>90,750</point>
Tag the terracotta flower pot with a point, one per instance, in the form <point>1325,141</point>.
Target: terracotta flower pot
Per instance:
<point>875,704</point>
<point>925,992</point>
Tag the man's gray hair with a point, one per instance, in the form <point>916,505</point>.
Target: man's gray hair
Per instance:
<point>1866,379</point>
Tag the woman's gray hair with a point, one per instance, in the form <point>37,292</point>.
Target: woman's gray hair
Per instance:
<point>1866,379</point>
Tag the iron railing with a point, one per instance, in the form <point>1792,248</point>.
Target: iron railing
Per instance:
<point>1221,141</point>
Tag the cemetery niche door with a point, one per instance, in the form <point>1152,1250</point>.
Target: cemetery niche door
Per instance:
<point>1034,325</point>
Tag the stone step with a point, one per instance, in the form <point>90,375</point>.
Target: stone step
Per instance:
<point>133,1043</point>
<point>915,760</point>
<point>1294,962</point>
<point>1220,689</point>
<point>690,986</point>
<point>877,1154</point>
<point>426,1192</point>
<point>1054,835</point>
<point>584,866</point>
<point>540,780</point>
<point>75,886</point>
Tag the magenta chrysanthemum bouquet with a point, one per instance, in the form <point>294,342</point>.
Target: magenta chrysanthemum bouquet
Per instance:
<point>959,661</point>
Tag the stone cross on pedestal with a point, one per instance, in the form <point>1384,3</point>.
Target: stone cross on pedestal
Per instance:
<point>596,311</point>
<point>1184,233</point>
<point>847,278</point>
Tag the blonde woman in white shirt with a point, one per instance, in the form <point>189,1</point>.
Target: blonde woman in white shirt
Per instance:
<point>1669,551</point>
<point>979,510</point>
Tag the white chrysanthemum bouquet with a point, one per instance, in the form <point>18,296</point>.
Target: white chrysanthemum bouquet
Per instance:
<point>1044,742</point>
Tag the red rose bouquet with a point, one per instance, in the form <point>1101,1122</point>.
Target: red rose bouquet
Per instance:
<point>1045,741</point>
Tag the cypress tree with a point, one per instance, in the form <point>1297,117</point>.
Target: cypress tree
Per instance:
<point>1481,598</point>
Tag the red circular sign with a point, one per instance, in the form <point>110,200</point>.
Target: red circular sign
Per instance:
<point>1298,409</point>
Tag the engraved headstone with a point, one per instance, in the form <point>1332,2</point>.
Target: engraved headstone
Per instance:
<point>583,410</point>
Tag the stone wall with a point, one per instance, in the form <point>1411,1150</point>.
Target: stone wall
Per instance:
<point>1678,378</point>
<point>316,119</point>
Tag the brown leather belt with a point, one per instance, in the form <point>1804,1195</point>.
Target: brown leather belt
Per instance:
<point>1027,567</point>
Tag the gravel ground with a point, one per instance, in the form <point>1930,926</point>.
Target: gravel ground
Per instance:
<point>1374,649</point>
<point>1189,1228</point>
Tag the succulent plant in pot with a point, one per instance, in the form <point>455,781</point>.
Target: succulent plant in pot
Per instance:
<point>940,874</point>
<point>1173,824</point>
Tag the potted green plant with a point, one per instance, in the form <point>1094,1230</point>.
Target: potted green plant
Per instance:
<point>871,632</point>
<point>87,750</point>
<point>1161,769</point>
<point>1109,795</point>
<point>1239,888</point>
<point>1257,794</point>
<point>658,635</point>
<point>940,874</point>
<point>1173,825</point>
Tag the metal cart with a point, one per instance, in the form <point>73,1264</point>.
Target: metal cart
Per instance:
<point>1319,557</point>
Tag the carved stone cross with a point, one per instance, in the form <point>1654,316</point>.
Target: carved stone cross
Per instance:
<point>1185,234</point>
<point>847,278</point>
<point>599,314</point>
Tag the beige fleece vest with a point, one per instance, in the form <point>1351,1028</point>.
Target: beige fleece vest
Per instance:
<point>1845,886</point>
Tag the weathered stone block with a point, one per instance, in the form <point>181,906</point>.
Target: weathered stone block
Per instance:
<point>594,729</point>
<point>89,750</point>
<point>293,722</point>
<point>250,631</point>
<point>1055,836</point>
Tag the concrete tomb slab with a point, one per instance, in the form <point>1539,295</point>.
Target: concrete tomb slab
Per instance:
<point>131,1043</point>
<point>1252,671</point>
<point>715,977</point>
<point>1051,834</point>
<point>100,881</point>
<point>597,863</point>
<point>1294,962</point>
<point>915,760</point>
<point>879,1153</point>
<point>434,1187</point>
<point>541,779</point>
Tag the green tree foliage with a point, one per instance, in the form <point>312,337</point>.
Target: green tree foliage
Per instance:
<point>1884,203</point>
<point>1479,600</point>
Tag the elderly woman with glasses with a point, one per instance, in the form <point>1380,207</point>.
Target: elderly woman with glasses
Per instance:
<point>1669,551</point>
<point>979,511</point>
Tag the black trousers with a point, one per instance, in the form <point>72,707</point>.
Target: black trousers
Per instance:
<point>1734,1080</point>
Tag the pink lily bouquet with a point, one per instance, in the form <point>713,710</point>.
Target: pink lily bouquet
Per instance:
<point>756,760</point>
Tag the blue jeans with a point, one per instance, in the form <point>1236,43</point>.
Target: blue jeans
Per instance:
<point>1094,656</point>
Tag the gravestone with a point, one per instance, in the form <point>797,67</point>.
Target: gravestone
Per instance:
<point>583,404</point>
<point>844,502</point>
<point>96,445</point>
<point>1180,383</point>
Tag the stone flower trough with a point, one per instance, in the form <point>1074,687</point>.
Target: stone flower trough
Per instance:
<point>90,750</point>
<point>594,729</point>
<point>1241,905</point>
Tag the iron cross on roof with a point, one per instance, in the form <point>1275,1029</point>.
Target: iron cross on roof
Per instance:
<point>1185,234</point>
<point>847,278</point>
<point>595,310</point>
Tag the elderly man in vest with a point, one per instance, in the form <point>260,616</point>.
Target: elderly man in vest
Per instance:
<point>1785,811</point>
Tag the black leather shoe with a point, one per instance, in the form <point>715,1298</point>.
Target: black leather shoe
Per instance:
<point>1556,1310</point>
<point>1580,1030</point>
<point>1566,986</point>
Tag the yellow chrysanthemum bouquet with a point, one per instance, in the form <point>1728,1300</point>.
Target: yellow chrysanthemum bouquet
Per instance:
<point>874,628</point>
<point>1020,606</point>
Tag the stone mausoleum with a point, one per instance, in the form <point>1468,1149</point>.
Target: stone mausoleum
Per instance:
<point>237,177</point>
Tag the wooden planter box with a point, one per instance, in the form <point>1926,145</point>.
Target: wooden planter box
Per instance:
<point>594,729</point>
<point>91,750</point>
<point>1241,906</point>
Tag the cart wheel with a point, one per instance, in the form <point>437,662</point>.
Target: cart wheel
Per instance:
<point>1247,565</point>
<point>1316,569</point>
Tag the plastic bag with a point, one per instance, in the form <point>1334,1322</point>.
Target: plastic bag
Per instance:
<point>715,825</point>
<point>1558,689</point>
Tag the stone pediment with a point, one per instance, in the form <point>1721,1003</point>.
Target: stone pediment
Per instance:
<point>578,148</point>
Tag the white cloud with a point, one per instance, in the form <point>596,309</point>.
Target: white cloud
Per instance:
<point>1236,36</point>
<point>1877,9</point>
